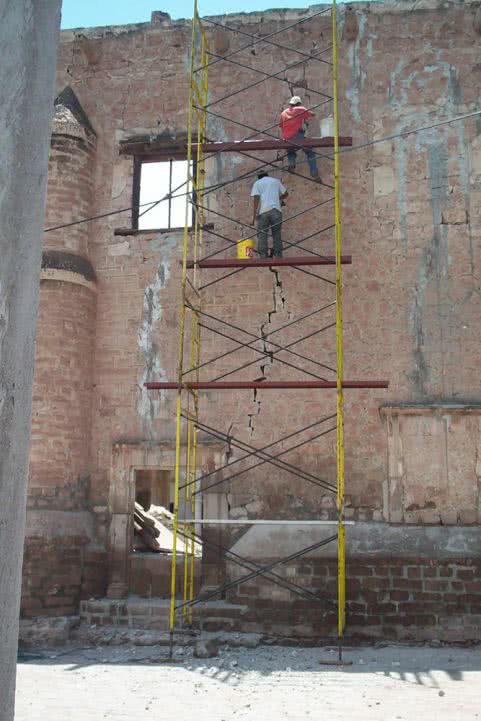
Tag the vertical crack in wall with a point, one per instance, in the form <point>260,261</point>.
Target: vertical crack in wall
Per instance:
<point>251,416</point>
<point>3,331</point>
<point>446,429</point>
<point>358,76</point>
<point>148,403</point>
<point>433,267</point>
<point>126,102</point>
<point>456,98</point>
<point>279,305</point>
<point>401,152</point>
<point>477,474</point>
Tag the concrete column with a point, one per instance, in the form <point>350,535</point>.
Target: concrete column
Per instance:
<point>28,38</point>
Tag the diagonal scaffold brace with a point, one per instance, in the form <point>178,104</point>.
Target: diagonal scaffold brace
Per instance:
<point>195,262</point>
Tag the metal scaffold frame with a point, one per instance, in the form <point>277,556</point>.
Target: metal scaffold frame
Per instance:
<point>188,384</point>
<point>198,96</point>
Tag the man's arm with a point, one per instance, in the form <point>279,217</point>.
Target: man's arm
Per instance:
<point>255,208</point>
<point>307,115</point>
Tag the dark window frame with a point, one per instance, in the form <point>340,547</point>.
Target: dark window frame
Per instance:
<point>138,161</point>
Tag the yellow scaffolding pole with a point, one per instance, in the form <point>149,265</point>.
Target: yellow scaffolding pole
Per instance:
<point>192,241</point>
<point>187,410</point>
<point>341,540</point>
<point>195,354</point>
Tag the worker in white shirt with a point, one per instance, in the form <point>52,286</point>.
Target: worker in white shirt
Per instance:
<point>268,194</point>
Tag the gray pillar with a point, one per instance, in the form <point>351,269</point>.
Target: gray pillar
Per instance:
<point>28,42</point>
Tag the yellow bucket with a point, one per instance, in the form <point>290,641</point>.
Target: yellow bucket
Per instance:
<point>245,248</point>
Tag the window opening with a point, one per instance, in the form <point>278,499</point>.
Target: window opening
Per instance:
<point>154,180</point>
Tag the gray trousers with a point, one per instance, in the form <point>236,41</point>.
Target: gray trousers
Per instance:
<point>271,219</point>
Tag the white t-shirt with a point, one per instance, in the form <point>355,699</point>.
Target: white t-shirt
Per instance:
<point>270,191</point>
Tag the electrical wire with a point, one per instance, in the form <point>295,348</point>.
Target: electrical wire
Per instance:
<point>153,203</point>
<point>405,133</point>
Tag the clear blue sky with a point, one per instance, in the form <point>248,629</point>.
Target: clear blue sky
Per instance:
<point>89,13</point>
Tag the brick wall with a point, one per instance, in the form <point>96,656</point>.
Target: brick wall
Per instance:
<point>58,573</point>
<point>415,248</point>
<point>69,192</point>
<point>401,599</point>
<point>60,442</point>
<point>59,566</point>
<point>410,213</point>
<point>409,599</point>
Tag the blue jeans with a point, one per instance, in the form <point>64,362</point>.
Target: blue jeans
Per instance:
<point>310,155</point>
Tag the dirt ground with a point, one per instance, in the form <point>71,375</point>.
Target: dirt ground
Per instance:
<point>268,682</point>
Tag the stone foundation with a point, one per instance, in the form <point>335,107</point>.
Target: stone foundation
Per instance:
<point>398,600</point>
<point>401,599</point>
<point>153,614</point>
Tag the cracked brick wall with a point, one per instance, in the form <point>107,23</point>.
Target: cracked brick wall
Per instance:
<point>410,212</point>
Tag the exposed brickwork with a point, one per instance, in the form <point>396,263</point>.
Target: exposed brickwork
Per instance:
<point>410,212</point>
<point>154,614</point>
<point>58,574</point>
<point>395,292</point>
<point>69,189</point>
<point>404,599</point>
<point>61,569</point>
<point>150,575</point>
<point>60,457</point>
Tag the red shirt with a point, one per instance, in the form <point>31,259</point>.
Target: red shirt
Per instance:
<point>292,119</point>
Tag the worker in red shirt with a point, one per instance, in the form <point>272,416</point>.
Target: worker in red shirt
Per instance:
<point>292,122</point>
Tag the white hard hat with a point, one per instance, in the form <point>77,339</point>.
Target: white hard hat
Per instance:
<point>295,100</point>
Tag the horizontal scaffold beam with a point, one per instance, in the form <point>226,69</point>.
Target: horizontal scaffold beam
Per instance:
<point>258,522</point>
<point>144,146</point>
<point>236,146</point>
<point>269,262</point>
<point>260,385</point>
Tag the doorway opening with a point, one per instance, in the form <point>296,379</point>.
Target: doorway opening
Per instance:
<point>153,518</point>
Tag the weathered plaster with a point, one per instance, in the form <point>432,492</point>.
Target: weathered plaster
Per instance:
<point>147,404</point>
<point>373,539</point>
<point>28,38</point>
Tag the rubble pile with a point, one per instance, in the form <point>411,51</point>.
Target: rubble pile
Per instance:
<point>153,531</point>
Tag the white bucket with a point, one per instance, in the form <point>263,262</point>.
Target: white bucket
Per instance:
<point>327,127</point>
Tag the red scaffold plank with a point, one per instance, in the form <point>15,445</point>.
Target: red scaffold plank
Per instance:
<point>269,262</point>
<point>266,385</point>
<point>271,144</point>
<point>145,147</point>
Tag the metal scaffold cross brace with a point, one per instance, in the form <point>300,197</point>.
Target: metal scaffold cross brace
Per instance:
<point>195,262</point>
